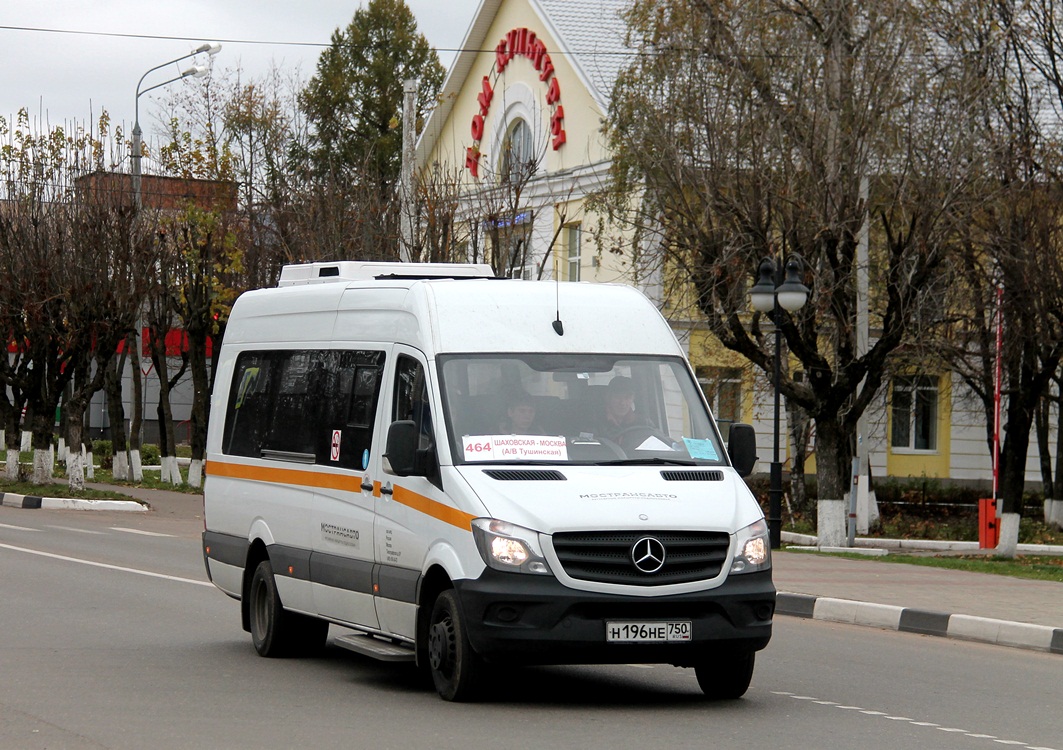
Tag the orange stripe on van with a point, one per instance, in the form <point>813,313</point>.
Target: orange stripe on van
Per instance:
<point>430,507</point>
<point>345,482</point>
<point>298,477</point>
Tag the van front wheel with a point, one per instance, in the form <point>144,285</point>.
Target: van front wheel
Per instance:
<point>456,669</point>
<point>725,677</point>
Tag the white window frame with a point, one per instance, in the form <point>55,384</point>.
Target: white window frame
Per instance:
<point>917,388</point>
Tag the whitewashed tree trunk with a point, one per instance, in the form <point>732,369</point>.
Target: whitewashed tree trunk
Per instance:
<point>75,471</point>
<point>830,523</point>
<point>1054,513</point>
<point>137,468</point>
<point>90,463</point>
<point>42,465</point>
<point>120,469</point>
<point>195,473</point>
<point>170,472</point>
<point>1009,535</point>
<point>62,454</point>
<point>27,441</point>
<point>12,465</point>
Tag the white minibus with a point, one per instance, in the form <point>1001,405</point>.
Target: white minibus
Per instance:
<point>465,472</point>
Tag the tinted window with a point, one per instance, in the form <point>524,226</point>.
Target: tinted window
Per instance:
<point>303,404</point>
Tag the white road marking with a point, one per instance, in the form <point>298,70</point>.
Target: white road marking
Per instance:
<point>78,531</point>
<point>95,564</point>
<point>868,712</point>
<point>16,528</point>
<point>138,531</point>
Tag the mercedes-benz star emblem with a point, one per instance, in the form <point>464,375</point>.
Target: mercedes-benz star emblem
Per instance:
<point>648,554</point>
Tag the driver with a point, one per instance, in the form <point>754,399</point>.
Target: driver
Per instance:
<point>618,410</point>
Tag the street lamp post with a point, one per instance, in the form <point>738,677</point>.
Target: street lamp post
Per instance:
<point>777,289</point>
<point>194,71</point>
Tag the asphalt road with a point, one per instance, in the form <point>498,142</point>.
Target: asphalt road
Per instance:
<point>110,637</point>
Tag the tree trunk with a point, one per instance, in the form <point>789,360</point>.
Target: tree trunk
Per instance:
<point>833,470</point>
<point>43,426</point>
<point>1044,451</point>
<point>75,466</point>
<point>197,350</point>
<point>800,431</point>
<point>167,439</point>
<point>116,414</point>
<point>135,426</point>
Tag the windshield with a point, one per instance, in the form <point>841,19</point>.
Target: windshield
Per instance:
<point>576,408</point>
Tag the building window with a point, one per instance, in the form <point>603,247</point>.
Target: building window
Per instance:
<point>915,413</point>
<point>722,387</point>
<point>518,153</point>
<point>573,235</point>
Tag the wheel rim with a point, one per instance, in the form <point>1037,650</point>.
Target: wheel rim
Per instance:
<point>441,646</point>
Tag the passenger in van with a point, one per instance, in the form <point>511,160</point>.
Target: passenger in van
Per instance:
<point>618,411</point>
<point>520,415</point>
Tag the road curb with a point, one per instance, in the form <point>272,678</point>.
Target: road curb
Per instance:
<point>924,622</point>
<point>12,500</point>
<point>872,545</point>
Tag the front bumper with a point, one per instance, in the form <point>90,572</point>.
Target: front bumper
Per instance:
<point>536,620</point>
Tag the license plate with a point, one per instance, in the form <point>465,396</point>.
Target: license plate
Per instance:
<point>647,632</point>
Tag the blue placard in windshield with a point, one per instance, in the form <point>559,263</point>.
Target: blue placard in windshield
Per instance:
<point>698,448</point>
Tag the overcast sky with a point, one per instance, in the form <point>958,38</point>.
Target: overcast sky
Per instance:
<point>68,77</point>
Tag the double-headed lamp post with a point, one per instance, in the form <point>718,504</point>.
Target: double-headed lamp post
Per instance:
<point>196,71</point>
<point>777,289</point>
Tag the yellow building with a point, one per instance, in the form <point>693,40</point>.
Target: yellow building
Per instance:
<point>531,85</point>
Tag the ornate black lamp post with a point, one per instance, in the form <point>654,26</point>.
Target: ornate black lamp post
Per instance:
<point>773,291</point>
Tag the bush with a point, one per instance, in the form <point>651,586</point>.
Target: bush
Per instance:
<point>149,455</point>
<point>101,452</point>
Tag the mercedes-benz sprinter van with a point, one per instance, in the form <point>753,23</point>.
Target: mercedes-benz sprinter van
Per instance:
<point>467,472</point>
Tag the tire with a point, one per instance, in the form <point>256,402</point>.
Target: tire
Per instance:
<point>457,671</point>
<point>725,677</point>
<point>274,631</point>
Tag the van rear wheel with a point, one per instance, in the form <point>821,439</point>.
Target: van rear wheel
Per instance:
<point>456,669</point>
<point>274,631</point>
<point>725,676</point>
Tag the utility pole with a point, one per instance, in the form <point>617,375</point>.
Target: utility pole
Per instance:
<point>409,144</point>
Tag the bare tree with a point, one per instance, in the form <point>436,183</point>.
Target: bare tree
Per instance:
<point>749,129</point>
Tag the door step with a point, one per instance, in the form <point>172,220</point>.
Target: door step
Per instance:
<point>377,648</point>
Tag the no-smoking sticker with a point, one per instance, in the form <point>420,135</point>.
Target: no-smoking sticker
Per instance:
<point>335,455</point>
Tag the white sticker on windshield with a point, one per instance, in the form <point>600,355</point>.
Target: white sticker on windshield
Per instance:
<point>514,447</point>
<point>654,444</point>
<point>699,448</point>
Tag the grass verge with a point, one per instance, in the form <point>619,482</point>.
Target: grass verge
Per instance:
<point>57,489</point>
<point>1034,567</point>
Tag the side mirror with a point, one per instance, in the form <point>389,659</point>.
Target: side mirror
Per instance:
<point>742,447</point>
<point>402,447</point>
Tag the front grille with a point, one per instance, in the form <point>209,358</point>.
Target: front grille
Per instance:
<point>605,557</point>
<point>525,475</point>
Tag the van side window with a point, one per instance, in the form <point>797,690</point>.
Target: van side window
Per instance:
<point>293,402</point>
<point>249,405</point>
<point>301,394</point>
<point>411,403</point>
<point>411,398</point>
<point>353,408</point>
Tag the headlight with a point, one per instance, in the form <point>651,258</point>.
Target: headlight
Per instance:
<point>504,546</point>
<point>753,548</point>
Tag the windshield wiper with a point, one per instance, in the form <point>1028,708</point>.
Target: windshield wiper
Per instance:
<point>655,461</point>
